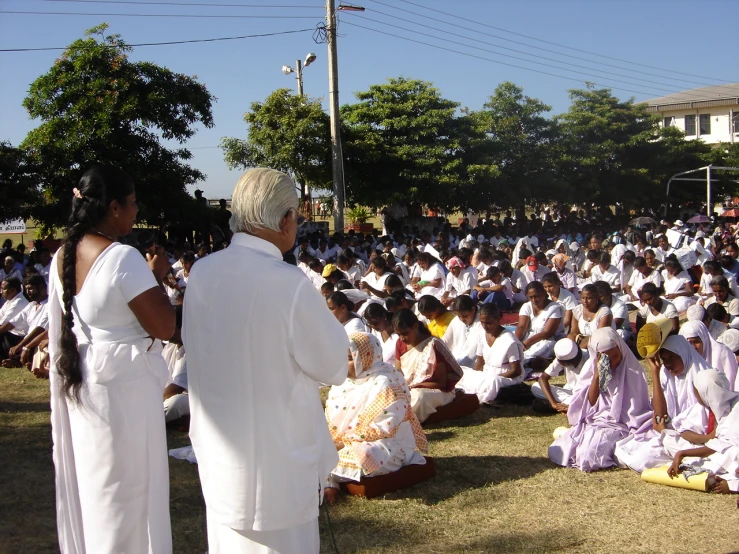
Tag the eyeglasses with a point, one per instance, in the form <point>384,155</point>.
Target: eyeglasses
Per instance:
<point>299,218</point>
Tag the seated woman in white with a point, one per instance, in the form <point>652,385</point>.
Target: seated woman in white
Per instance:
<point>678,420</point>
<point>719,455</point>
<point>427,365</point>
<point>499,360</point>
<point>557,292</point>
<point>381,325</point>
<point>678,285</point>
<point>722,295</point>
<point>619,311</point>
<point>566,275</point>
<point>461,337</point>
<point>540,325</point>
<point>374,282</point>
<point>605,271</point>
<point>343,310</point>
<point>589,315</point>
<point>653,308</point>
<point>370,418</point>
<point>716,354</point>
<point>713,269</point>
<point>641,275</point>
<point>432,279</point>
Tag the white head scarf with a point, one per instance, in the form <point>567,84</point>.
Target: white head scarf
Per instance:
<point>716,354</point>
<point>679,388</point>
<point>713,388</point>
<point>617,253</point>
<point>730,339</point>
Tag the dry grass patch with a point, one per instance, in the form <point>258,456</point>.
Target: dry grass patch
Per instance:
<point>495,491</point>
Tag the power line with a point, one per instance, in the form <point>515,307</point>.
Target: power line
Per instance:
<point>165,15</point>
<point>169,42</point>
<point>207,4</point>
<point>674,89</point>
<point>540,40</point>
<point>490,59</point>
<point>680,87</point>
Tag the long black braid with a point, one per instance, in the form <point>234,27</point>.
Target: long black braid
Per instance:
<point>98,187</point>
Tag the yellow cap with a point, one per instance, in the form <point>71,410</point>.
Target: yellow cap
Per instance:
<point>651,336</point>
<point>328,270</point>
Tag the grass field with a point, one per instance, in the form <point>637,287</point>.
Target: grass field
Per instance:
<point>495,491</point>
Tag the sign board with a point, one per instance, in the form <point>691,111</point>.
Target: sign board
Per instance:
<point>15,226</point>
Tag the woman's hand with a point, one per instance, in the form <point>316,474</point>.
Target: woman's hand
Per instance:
<point>674,470</point>
<point>159,263</point>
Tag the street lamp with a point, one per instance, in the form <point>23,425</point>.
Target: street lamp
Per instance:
<point>286,69</point>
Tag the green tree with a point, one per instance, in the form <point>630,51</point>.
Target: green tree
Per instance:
<point>616,151</point>
<point>523,145</point>
<point>404,143</point>
<point>19,187</point>
<point>98,106</point>
<point>286,132</point>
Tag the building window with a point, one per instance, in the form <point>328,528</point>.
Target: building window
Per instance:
<point>736,122</point>
<point>705,124</point>
<point>690,125</point>
<point>669,122</point>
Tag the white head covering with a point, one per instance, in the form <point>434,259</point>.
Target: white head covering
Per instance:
<point>713,388</point>
<point>696,312</point>
<point>730,339</point>
<point>678,389</point>
<point>566,349</point>
<point>617,253</point>
<point>716,354</point>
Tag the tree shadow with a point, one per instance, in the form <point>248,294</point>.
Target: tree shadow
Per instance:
<point>457,474</point>
<point>552,540</point>
<point>19,407</point>
<point>432,436</point>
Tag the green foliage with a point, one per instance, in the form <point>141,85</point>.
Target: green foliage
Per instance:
<point>286,132</point>
<point>404,143</point>
<point>19,188</point>
<point>522,144</point>
<point>358,214</point>
<point>97,106</point>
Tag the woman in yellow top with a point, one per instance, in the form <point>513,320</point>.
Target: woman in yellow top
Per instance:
<point>439,317</point>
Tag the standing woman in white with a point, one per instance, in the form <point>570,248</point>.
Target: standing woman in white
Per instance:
<point>260,340</point>
<point>106,310</point>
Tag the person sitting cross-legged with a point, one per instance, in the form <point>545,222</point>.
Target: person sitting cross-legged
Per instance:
<point>32,321</point>
<point>370,418</point>
<point>570,358</point>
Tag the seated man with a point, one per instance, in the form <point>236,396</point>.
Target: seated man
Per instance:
<point>176,400</point>
<point>370,418</point>
<point>570,358</point>
<point>14,304</point>
<point>32,321</point>
<point>458,282</point>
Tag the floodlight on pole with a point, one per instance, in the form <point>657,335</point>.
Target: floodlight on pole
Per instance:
<point>298,70</point>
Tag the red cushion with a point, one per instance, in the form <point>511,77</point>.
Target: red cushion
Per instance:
<point>462,405</point>
<point>371,487</point>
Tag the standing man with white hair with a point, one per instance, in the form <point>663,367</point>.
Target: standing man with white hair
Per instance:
<point>259,340</point>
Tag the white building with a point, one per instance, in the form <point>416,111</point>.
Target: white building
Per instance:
<point>708,113</point>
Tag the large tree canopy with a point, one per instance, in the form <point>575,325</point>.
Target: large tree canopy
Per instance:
<point>98,106</point>
<point>286,132</point>
<point>19,188</point>
<point>404,143</point>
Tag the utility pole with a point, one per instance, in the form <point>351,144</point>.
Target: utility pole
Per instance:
<point>337,159</point>
<point>299,76</point>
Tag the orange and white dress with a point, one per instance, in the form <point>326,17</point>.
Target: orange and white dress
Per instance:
<point>370,415</point>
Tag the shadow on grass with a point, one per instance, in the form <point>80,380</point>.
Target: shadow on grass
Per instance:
<point>553,540</point>
<point>457,474</point>
<point>18,407</point>
<point>432,436</point>
<point>353,533</point>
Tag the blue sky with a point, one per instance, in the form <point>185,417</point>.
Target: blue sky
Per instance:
<point>677,36</point>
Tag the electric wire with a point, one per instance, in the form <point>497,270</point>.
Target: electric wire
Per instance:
<point>672,88</point>
<point>492,60</point>
<point>169,42</point>
<point>200,16</point>
<point>538,39</point>
<point>207,4</point>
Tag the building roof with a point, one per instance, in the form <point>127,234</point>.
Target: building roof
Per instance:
<point>703,97</point>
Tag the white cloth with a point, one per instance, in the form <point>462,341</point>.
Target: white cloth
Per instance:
<point>463,284</point>
<point>566,299</point>
<point>586,328</point>
<point>707,290</point>
<point>611,275</point>
<point>667,311</point>
<point>638,280</point>
<point>462,340</point>
<point>34,314</point>
<point>677,284</point>
<point>356,325</point>
<point>255,361</point>
<point>12,308</point>
<point>562,394</point>
<point>498,357</point>
<point>222,539</point>
<point>716,354</point>
<point>377,283</point>
<point>110,452</point>
<point>431,274</point>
